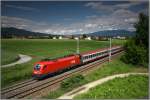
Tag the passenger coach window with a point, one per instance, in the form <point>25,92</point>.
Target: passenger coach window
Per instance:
<point>86,57</point>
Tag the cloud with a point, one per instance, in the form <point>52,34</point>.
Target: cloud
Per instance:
<point>22,8</point>
<point>15,22</point>
<point>124,13</point>
<point>131,20</point>
<point>21,23</point>
<point>108,17</point>
<point>129,4</point>
<point>119,19</point>
<point>118,16</point>
<point>101,7</point>
<point>90,24</point>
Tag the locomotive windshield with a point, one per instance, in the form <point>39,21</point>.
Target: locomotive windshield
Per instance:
<point>37,67</point>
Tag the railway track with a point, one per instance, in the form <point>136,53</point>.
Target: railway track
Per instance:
<point>28,87</point>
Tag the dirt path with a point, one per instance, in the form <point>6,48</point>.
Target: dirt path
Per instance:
<point>86,87</point>
<point>23,59</point>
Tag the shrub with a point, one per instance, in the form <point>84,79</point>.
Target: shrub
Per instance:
<point>137,48</point>
<point>73,81</point>
<point>135,54</point>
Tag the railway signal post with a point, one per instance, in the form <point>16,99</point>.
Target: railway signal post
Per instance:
<point>109,49</point>
<point>78,45</point>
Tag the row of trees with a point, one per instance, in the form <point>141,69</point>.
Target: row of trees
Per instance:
<point>137,48</point>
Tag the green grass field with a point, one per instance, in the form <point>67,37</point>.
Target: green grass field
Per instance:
<point>39,49</point>
<point>106,69</point>
<point>46,48</point>
<point>132,87</point>
<point>8,57</point>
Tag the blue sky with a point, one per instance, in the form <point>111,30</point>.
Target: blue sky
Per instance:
<point>76,17</point>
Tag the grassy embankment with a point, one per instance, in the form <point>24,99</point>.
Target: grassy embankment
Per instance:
<point>132,87</point>
<point>106,69</point>
<point>8,57</point>
<point>39,49</point>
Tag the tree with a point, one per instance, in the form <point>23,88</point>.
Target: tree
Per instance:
<point>137,47</point>
<point>84,36</point>
<point>142,30</point>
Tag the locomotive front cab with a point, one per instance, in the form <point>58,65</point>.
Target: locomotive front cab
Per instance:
<point>38,71</point>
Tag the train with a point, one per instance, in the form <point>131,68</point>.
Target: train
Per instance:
<point>47,67</point>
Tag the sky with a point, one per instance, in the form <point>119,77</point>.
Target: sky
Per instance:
<point>71,17</point>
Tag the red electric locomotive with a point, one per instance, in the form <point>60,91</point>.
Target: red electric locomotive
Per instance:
<point>43,68</point>
<point>46,67</point>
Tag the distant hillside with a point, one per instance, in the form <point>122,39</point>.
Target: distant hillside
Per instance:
<point>10,32</point>
<point>14,32</point>
<point>113,33</point>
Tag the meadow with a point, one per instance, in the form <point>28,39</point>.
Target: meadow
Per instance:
<point>39,49</point>
<point>132,87</point>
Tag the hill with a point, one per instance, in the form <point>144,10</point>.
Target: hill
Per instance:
<point>14,32</point>
<point>113,33</point>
